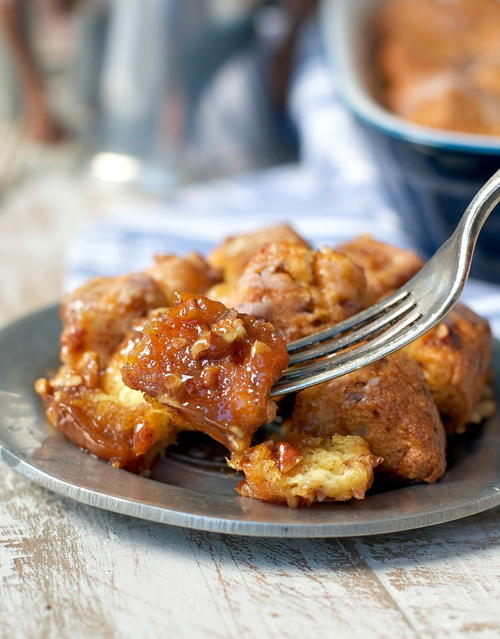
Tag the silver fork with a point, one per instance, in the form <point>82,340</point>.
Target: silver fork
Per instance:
<point>398,319</point>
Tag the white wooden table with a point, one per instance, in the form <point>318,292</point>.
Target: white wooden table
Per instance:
<point>71,571</point>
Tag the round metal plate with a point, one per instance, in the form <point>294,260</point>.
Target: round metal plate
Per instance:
<point>184,495</point>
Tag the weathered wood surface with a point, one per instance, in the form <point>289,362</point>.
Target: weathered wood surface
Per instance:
<point>72,571</point>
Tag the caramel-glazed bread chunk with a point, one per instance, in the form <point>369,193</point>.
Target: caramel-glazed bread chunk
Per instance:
<point>235,252</point>
<point>299,290</point>
<point>188,274</point>
<point>386,267</point>
<point>96,411</point>
<point>388,404</point>
<point>302,470</point>
<point>455,357</point>
<point>97,315</point>
<point>212,365</point>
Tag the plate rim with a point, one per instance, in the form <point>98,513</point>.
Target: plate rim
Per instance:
<point>243,528</point>
<point>226,525</point>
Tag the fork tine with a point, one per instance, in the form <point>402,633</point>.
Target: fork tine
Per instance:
<point>325,363</point>
<point>379,322</point>
<point>435,288</point>
<point>383,344</point>
<point>349,324</point>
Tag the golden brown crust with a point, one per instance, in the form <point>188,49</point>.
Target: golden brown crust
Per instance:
<point>129,438</point>
<point>388,404</point>
<point>102,415</point>
<point>455,357</point>
<point>299,290</point>
<point>235,252</point>
<point>211,364</point>
<point>386,267</point>
<point>188,274</point>
<point>97,315</point>
<point>302,470</point>
<point>202,366</point>
<point>223,293</point>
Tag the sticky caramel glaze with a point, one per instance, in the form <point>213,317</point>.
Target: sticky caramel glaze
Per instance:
<point>128,438</point>
<point>97,412</point>
<point>211,364</point>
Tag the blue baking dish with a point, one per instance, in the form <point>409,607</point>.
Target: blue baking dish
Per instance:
<point>430,175</point>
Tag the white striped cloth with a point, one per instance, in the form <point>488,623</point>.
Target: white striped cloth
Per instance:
<point>332,195</point>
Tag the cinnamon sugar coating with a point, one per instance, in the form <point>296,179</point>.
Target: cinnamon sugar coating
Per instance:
<point>236,251</point>
<point>299,290</point>
<point>385,267</point>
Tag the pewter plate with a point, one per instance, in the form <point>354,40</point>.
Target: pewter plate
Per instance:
<point>183,494</point>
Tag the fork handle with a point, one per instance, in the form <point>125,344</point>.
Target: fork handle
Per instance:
<point>456,253</point>
<point>476,214</point>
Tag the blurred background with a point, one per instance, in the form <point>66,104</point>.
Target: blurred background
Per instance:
<point>152,93</point>
<point>154,123</point>
<point>112,103</point>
